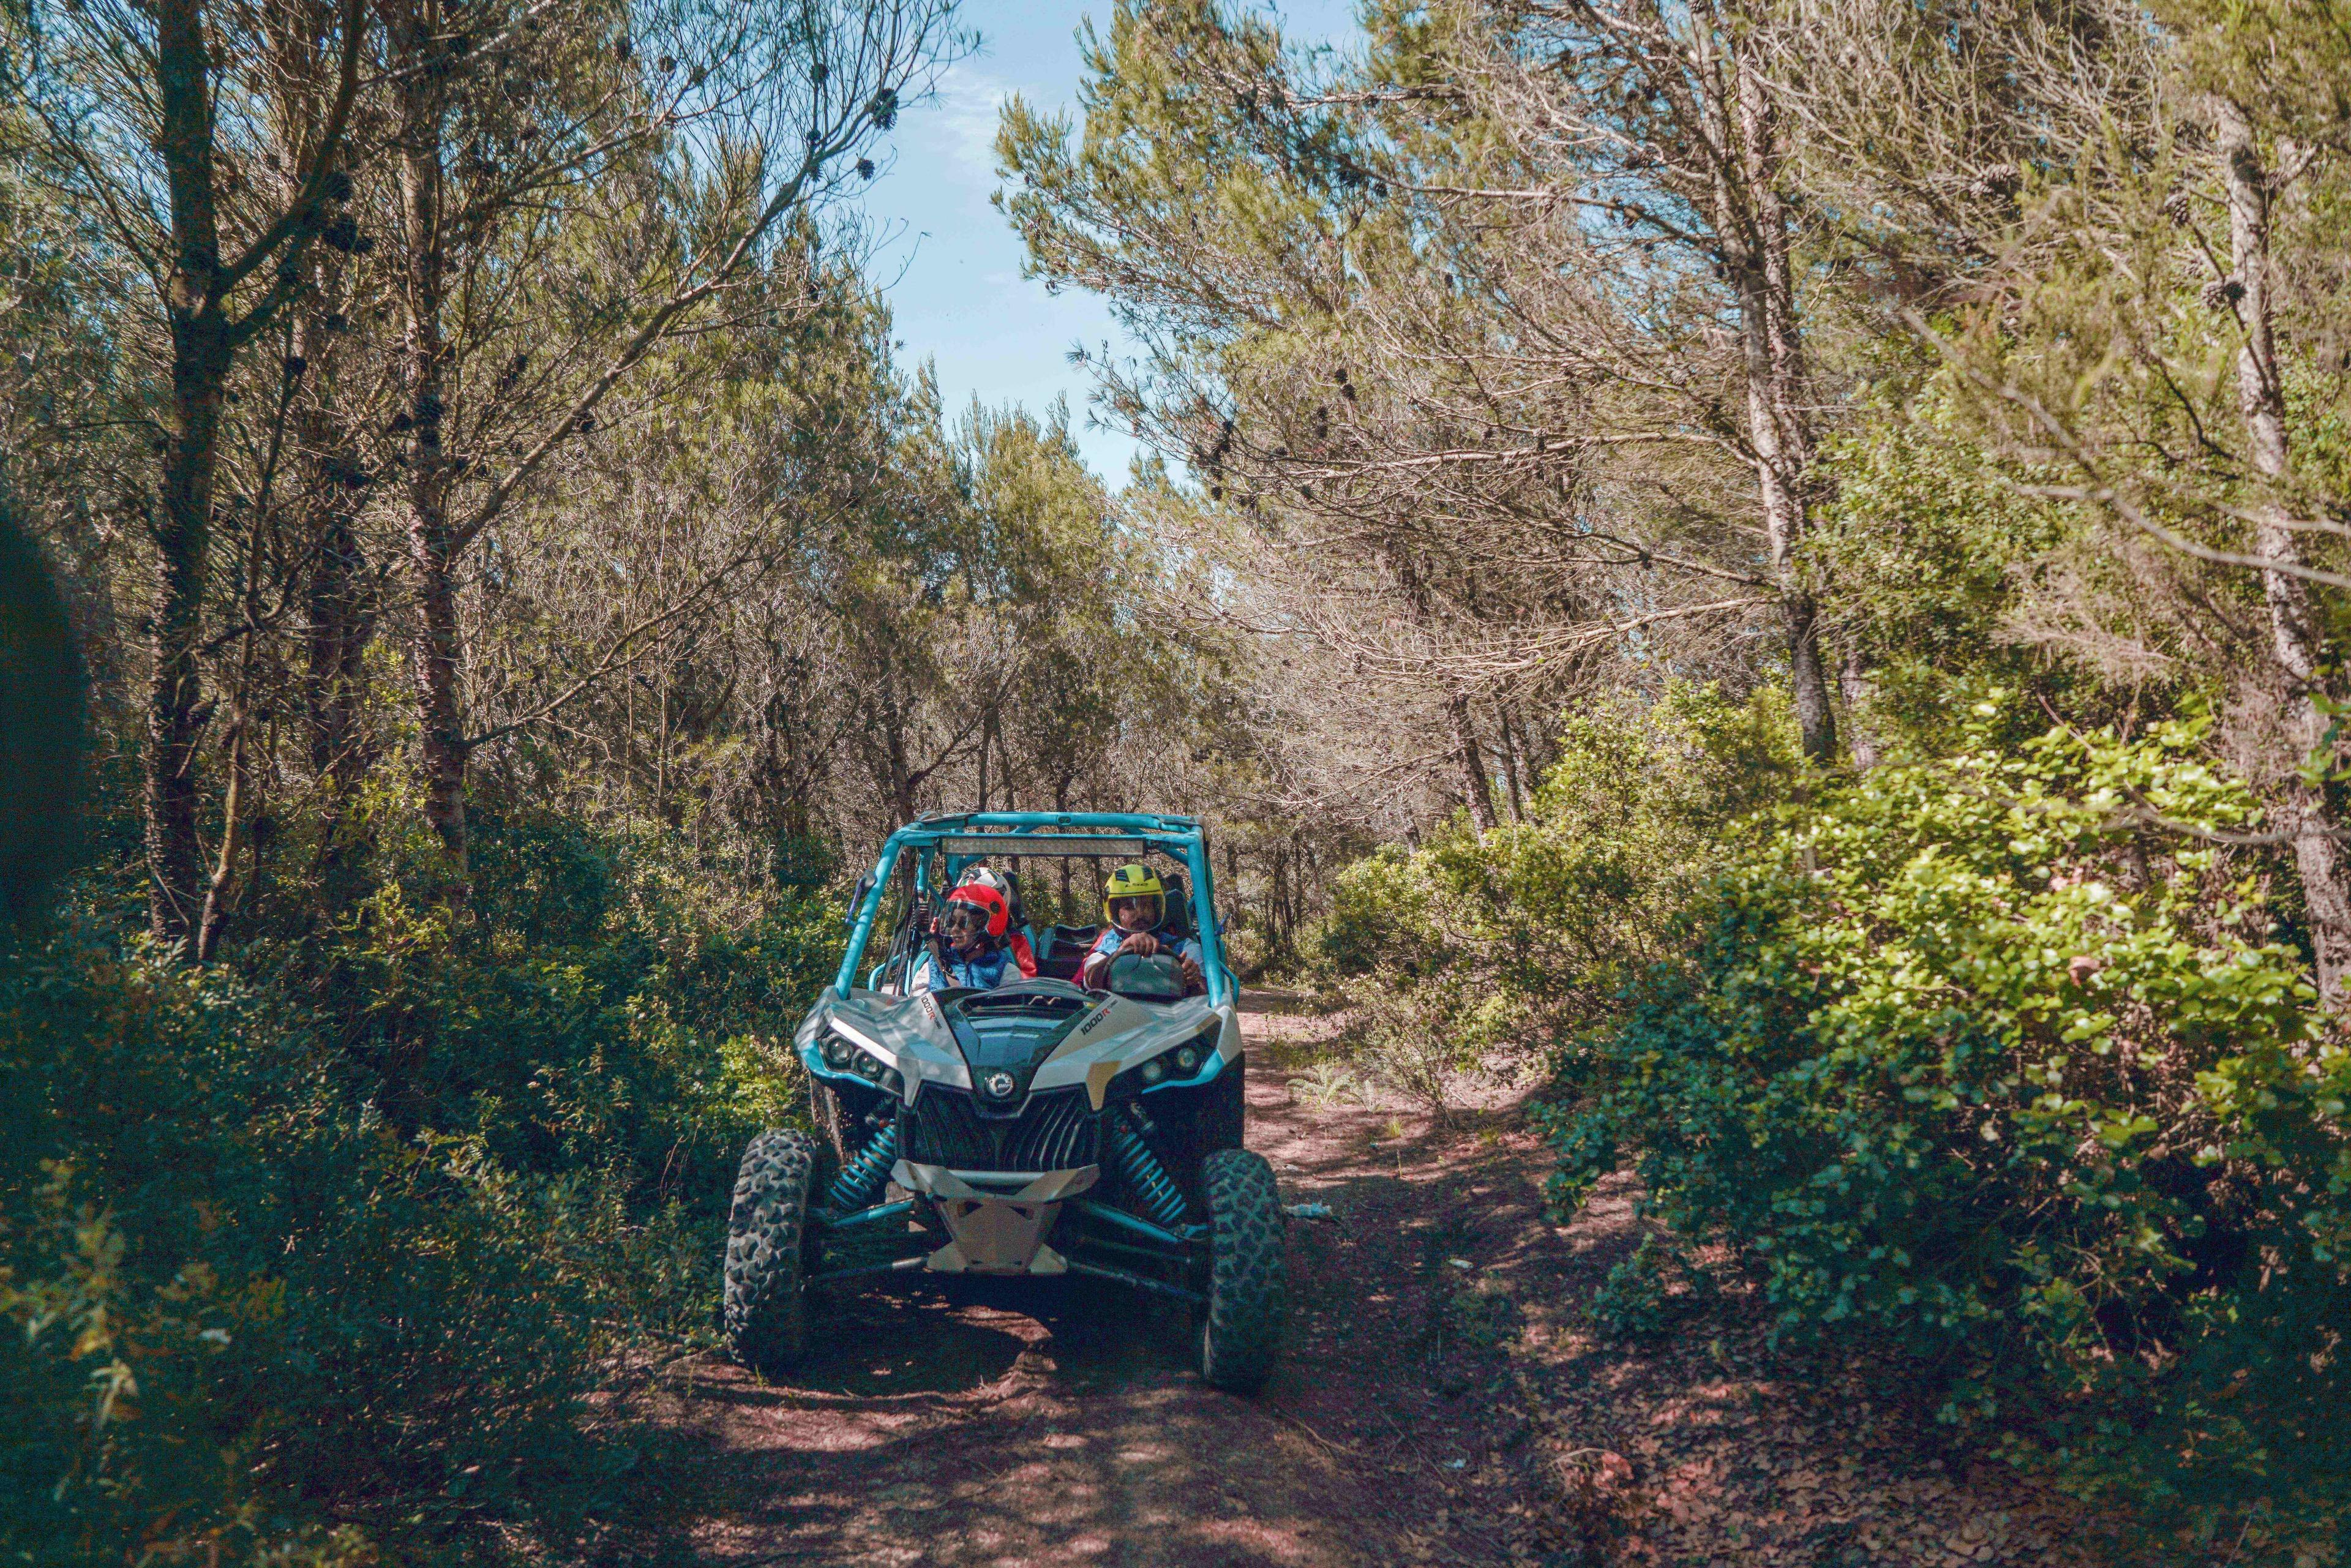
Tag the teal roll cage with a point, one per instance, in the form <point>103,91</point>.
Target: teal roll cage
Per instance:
<point>968,836</point>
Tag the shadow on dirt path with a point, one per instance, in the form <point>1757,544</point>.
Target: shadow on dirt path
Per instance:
<point>1050,1422</point>
<point>1442,1400</point>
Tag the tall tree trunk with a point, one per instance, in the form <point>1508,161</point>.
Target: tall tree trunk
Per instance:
<point>338,620</point>
<point>237,809</point>
<point>1777,426</point>
<point>904,784</point>
<point>205,338</point>
<point>1067,907</point>
<point>987,733</point>
<point>1232,888</point>
<point>799,783</point>
<point>1277,906</point>
<point>897,781</point>
<point>1853,686</point>
<point>661,803</point>
<point>431,547</point>
<point>1472,758</point>
<point>796,790</point>
<point>175,706</point>
<point>336,639</point>
<point>220,893</point>
<point>780,786</point>
<point>203,349</point>
<point>2294,634</point>
<point>1511,758</point>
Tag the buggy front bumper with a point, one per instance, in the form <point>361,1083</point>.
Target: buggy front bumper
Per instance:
<point>997,1223</point>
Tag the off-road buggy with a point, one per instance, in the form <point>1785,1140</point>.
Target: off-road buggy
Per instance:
<point>1037,1128</point>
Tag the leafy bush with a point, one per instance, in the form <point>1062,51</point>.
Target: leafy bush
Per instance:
<point>1413,1041</point>
<point>1553,915</point>
<point>1649,1292</point>
<point>1482,946</point>
<point>233,1297</point>
<point>1934,551</point>
<point>319,1258</point>
<point>1247,953</point>
<point>2001,1062</point>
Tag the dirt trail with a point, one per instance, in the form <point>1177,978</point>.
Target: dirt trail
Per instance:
<point>1441,1400</point>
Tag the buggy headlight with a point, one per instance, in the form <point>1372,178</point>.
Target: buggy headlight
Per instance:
<point>845,1050</point>
<point>1173,1066</point>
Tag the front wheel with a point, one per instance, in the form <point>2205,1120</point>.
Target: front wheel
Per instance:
<point>766,1296</point>
<point>1249,1296</point>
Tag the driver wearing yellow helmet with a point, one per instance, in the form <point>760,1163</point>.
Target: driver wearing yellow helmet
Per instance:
<point>1135,909</point>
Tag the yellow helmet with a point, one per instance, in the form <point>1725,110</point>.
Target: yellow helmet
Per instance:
<point>1135,881</point>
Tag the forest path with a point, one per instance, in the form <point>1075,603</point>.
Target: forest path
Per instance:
<point>1441,1399</point>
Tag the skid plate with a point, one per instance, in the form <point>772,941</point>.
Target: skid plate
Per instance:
<point>994,1232</point>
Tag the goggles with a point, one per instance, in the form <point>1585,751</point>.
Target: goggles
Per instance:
<point>964,919</point>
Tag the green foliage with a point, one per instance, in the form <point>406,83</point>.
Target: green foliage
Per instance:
<point>1531,929</point>
<point>2000,1062</point>
<point>1649,1293</point>
<point>323,1263</point>
<point>1152,143</point>
<point>1413,1039</point>
<point>1928,546</point>
<point>1475,1318</point>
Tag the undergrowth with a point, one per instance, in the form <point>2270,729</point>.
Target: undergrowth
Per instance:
<point>1999,1063</point>
<point>319,1256</point>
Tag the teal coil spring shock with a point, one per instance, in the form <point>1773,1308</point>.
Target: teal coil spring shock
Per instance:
<point>860,1181</point>
<point>1154,1195</point>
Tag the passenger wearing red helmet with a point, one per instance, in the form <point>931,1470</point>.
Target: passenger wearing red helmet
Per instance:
<point>967,951</point>
<point>1022,952</point>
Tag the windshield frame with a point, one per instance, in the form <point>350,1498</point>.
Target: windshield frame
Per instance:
<point>1033,833</point>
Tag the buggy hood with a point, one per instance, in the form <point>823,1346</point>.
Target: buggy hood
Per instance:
<point>1038,1034</point>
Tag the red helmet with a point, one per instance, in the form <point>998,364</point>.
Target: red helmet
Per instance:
<point>999,914</point>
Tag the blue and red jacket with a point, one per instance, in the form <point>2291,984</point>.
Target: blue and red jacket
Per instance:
<point>984,972</point>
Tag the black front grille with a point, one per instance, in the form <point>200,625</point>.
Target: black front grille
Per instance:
<point>1056,1130</point>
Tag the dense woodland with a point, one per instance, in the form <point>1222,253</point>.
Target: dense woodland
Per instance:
<point>1772,568</point>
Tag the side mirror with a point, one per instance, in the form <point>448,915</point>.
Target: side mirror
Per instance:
<point>857,895</point>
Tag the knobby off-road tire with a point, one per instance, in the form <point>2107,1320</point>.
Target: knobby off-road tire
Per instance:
<point>1248,1293</point>
<point>766,1298</point>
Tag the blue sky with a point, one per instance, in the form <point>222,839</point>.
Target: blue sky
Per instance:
<point>948,263</point>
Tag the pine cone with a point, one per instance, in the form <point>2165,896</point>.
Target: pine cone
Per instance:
<point>2179,207</point>
<point>2221,293</point>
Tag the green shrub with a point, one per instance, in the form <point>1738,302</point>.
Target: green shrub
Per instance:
<point>1413,1043</point>
<point>320,1256</point>
<point>1930,548</point>
<point>247,1315</point>
<point>1510,940</point>
<point>2002,1063</point>
<point>1649,1293</point>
